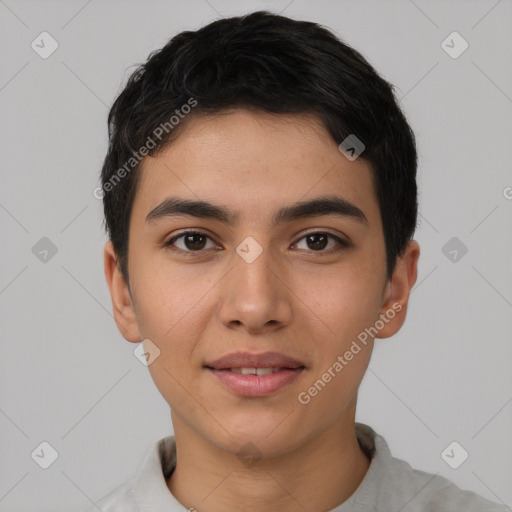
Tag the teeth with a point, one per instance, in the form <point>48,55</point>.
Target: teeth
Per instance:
<point>264,371</point>
<point>254,371</point>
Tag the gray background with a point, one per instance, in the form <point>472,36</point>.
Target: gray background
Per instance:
<point>67,375</point>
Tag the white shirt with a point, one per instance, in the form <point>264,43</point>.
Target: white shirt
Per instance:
<point>390,485</point>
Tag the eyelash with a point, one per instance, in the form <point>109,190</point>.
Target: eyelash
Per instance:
<point>169,244</point>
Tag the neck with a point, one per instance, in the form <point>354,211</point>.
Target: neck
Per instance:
<point>319,475</point>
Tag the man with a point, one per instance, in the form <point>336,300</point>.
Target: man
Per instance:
<point>260,198</point>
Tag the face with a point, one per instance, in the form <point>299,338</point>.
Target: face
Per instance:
<point>218,287</point>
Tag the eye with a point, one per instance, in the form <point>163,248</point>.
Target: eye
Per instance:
<point>319,240</point>
<point>192,241</point>
<point>196,241</point>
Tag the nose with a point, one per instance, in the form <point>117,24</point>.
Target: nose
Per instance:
<point>255,295</point>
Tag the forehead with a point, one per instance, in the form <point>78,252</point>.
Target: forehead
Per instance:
<point>253,162</point>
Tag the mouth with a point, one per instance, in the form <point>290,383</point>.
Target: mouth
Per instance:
<point>255,371</point>
<point>255,375</point>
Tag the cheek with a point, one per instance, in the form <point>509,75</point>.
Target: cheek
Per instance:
<point>166,302</point>
<point>175,302</point>
<point>169,313</point>
<point>331,390</point>
<point>348,302</point>
<point>344,302</point>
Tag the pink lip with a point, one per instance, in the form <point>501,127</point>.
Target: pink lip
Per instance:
<point>248,360</point>
<point>256,385</point>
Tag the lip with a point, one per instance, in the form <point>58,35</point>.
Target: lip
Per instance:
<point>255,385</point>
<point>248,360</point>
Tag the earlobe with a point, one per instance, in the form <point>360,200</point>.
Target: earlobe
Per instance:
<point>122,304</point>
<point>398,289</point>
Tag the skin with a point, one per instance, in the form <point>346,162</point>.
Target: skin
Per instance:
<point>307,303</point>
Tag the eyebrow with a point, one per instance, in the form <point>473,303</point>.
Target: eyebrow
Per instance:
<point>330,205</point>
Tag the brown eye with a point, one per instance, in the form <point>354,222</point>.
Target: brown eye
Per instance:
<point>318,241</point>
<point>194,241</point>
<point>190,241</point>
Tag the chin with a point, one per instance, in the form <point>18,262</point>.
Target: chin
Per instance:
<point>268,433</point>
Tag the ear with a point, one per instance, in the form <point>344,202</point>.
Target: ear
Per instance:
<point>122,304</point>
<point>398,288</point>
